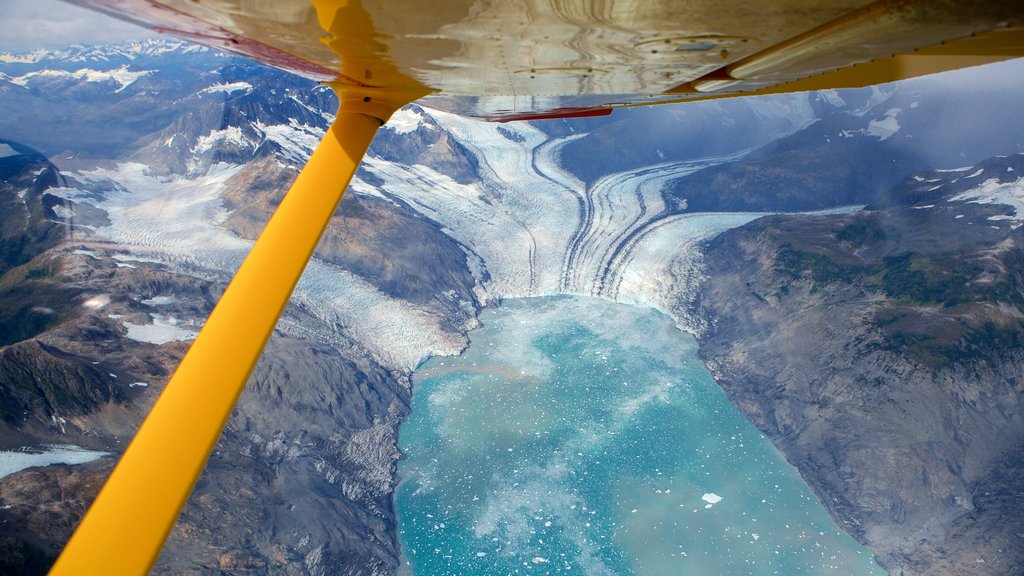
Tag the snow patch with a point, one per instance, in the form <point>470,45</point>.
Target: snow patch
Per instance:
<point>26,58</point>
<point>160,301</point>
<point>992,191</point>
<point>405,121</point>
<point>96,302</point>
<point>885,127</point>
<point>297,141</point>
<point>832,97</point>
<point>162,330</point>
<point>227,88</point>
<point>230,135</point>
<point>6,150</point>
<point>62,212</point>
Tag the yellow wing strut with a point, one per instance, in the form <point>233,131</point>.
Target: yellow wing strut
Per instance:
<point>124,530</point>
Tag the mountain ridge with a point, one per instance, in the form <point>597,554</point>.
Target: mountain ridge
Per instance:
<point>445,217</point>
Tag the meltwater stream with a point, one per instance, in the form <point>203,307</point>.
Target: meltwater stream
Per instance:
<point>578,436</point>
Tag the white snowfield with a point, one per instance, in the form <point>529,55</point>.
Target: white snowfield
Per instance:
<point>161,330</point>
<point>227,88</point>
<point>296,140</point>
<point>404,121</point>
<point>992,191</point>
<point>231,135</point>
<point>887,126</point>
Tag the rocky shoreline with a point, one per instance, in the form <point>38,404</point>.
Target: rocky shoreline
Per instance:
<point>882,352</point>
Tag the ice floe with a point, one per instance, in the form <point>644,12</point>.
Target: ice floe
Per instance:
<point>711,498</point>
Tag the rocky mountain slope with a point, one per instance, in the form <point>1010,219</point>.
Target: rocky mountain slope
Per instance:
<point>117,251</point>
<point>862,143</point>
<point>882,351</point>
<point>301,481</point>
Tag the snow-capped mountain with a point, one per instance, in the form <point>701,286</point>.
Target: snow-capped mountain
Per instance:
<point>178,156</point>
<point>104,54</point>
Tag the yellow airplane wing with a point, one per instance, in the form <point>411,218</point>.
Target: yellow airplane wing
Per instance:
<point>493,59</point>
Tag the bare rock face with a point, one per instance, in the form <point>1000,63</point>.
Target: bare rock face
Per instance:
<point>395,249</point>
<point>301,480</point>
<point>883,353</point>
<point>40,509</point>
<point>898,399</point>
<point>303,474</point>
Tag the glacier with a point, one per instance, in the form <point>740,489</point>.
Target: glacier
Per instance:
<point>12,461</point>
<point>176,221</point>
<point>531,227</point>
<point>528,225</point>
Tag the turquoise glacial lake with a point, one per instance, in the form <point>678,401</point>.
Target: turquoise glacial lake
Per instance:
<point>578,436</point>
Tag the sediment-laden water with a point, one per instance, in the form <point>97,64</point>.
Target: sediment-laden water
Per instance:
<point>578,436</point>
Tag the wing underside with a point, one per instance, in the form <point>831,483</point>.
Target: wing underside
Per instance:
<point>534,58</point>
